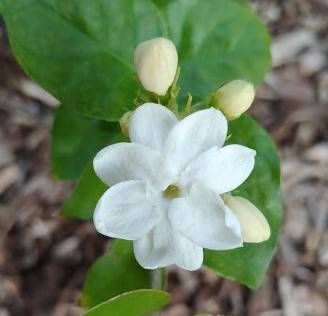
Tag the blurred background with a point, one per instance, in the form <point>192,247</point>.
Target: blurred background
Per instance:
<point>44,258</point>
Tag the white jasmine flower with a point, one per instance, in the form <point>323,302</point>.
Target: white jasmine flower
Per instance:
<point>234,98</point>
<point>166,186</point>
<point>156,62</point>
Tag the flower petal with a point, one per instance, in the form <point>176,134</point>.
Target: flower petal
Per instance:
<point>203,218</point>
<point>195,134</point>
<point>150,125</point>
<point>162,246</point>
<point>254,226</point>
<point>126,211</point>
<point>188,255</point>
<point>156,249</point>
<point>125,161</point>
<point>222,169</point>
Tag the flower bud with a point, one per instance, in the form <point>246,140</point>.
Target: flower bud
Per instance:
<point>124,123</point>
<point>156,62</point>
<point>254,226</point>
<point>234,98</point>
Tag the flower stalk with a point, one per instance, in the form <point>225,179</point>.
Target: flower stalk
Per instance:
<point>159,279</point>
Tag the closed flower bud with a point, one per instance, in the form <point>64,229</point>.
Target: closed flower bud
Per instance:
<point>234,98</point>
<point>254,226</point>
<point>156,62</point>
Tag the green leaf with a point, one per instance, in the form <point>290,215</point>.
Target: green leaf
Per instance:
<point>162,3</point>
<point>82,51</point>
<point>243,2</point>
<point>249,264</point>
<point>114,273</point>
<point>76,140</point>
<point>135,303</point>
<point>230,42</point>
<point>85,196</point>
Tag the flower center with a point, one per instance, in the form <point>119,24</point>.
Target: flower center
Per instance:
<point>172,192</point>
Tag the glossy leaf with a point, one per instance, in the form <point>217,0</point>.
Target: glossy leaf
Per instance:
<point>76,140</point>
<point>114,273</point>
<point>243,2</point>
<point>135,303</point>
<point>249,264</point>
<point>82,50</point>
<point>85,196</point>
<point>229,43</point>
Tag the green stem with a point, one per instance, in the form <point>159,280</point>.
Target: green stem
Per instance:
<point>159,279</point>
<point>202,104</point>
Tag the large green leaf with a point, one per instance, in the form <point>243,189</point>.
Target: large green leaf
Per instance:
<point>243,2</point>
<point>135,303</point>
<point>114,273</point>
<point>82,51</point>
<point>249,264</point>
<point>217,41</point>
<point>76,139</point>
<point>85,196</point>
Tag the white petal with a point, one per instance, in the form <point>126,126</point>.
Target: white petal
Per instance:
<point>156,249</point>
<point>125,161</point>
<point>222,169</point>
<point>232,221</point>
<point>126,211</point>
<point>203,218</point>
<point>162,247</point>
<point>150,125</point>
<point>188,255</point>
<point>254,226</point>
<point>195,134</point>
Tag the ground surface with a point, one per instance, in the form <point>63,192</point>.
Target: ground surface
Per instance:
<point>43,257</point>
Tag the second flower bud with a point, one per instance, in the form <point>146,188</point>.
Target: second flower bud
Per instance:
<point>234,98</point>
<point>156,61</point>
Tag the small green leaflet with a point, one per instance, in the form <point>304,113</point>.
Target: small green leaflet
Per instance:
<point>114,273</point>
<point>135,303</point>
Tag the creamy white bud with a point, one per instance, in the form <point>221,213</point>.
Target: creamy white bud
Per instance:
<point>254,226</point>
<point>234,98</point>
<point>124,123</point>
<point>156,62</point>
